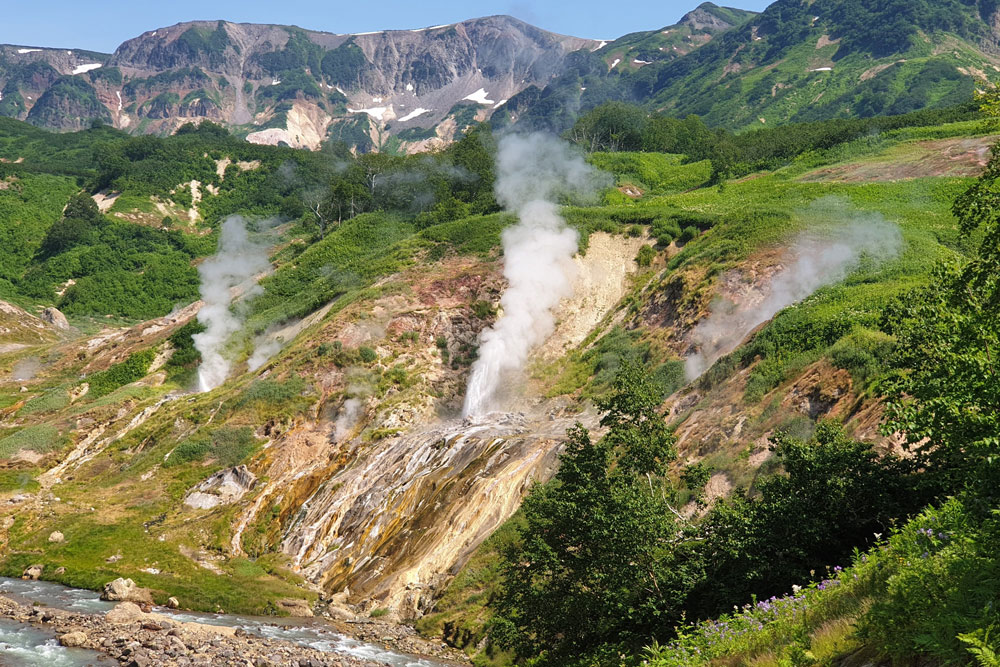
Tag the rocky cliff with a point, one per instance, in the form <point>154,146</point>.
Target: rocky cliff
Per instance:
<point>282,84</point>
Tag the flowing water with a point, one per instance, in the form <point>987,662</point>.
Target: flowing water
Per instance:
<point>22,644</point>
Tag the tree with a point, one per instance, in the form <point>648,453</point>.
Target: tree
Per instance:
<point>841,492</point>
<point>613,126</point>
<point>601,559</point>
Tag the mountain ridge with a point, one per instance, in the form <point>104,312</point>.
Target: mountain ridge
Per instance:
<point>257,75</point>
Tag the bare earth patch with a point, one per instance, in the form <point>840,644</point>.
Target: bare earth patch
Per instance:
<point>958,156</point>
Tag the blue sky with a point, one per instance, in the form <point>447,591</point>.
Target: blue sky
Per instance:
<point>103,24</point>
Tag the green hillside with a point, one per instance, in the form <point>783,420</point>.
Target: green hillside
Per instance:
<point>794,62</point>
<point>823,492</point>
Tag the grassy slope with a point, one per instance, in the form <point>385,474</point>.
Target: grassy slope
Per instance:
<point>132,511</point>
<point>807,83</point>
<point>29,205</point>
<point>922,209</point>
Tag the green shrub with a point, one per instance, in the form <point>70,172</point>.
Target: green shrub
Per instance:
<point>695,476</point>
<point>484,310</point>
<point>272,398</point>
<point>863,353</point>
<point>40,438</point>
<point>50,401</point>
<point>947,569</point>
<point>183,362</point>
<point>367,354</point>
<point>132,369</point>
<point>764,377</point>
<point>690,232</point>
<point>665,231</point>
<point>229,446</point>
<point>645,256</point>
<point>19,481</point>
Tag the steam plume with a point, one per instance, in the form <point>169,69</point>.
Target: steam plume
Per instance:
<point>348,416</point>
<point>235,264</point>
<point>360,386</point>
<point>532,171</point>
<point>263,349</point>
<point>813,261</point>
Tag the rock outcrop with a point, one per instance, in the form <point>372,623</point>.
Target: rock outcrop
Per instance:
<point>222,488</point>
<point>33,572</point>
<point>126,590</point>
<point>55,317</point>
<point>240,73</point>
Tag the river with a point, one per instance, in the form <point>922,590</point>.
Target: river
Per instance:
<point>24,645</point>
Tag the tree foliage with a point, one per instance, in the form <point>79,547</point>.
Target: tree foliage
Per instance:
<point>589,569</point>
<point>945,394</point>
<point>841,493</point>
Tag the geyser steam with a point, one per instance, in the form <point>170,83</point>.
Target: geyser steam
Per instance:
<point>532,171</point>
<point>237,261</point>
<point>813,261</point>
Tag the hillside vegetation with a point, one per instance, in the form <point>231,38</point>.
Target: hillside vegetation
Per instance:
<point>794,62</point>
<point>864,409</point>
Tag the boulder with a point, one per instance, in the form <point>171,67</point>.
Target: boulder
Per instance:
<point>126,590</point>
<point>60,570</point>
<point>33,572</point>
<point>54,317</point>
<point>75,638</point>
<point>295,607</point>
<point>172,603</point>
<point>222,488</point>
<point>125,613</point>
<point>56,536</point>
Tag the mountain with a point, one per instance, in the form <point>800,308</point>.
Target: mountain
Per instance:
<point>235,372</point>
<point>50,87</point>
<point>793,62</point>
<point>616,70</point>
<point>835,58</point>
<point>283,84</point>
<point>415,89</point>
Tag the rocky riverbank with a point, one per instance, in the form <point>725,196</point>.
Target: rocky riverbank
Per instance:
<point>132,637</point>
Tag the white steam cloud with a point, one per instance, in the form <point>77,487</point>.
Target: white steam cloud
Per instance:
<point>532,171</point>
<point>813,261</point>
<point>263,349</point>
<point>232,268</point>
<point>360,385</point>
<point>347,418</point>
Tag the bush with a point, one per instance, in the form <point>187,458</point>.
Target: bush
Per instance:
<point>132,369</point>
<point>840,493</point>
<point>945,586</point>
<point>665,231</point>
<point>695,476</point>
<point>367,354</point>
<point>689,232</point>
<point>764,377</point>
<point>229,446</point>
<point>41,438</point>
<point>645,256</point>
<point>182,363</point>
<point>863,353</point>
<point>271,398</point>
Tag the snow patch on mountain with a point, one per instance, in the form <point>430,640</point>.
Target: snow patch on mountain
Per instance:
<point>413,114</point>
<point>479,97</point>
